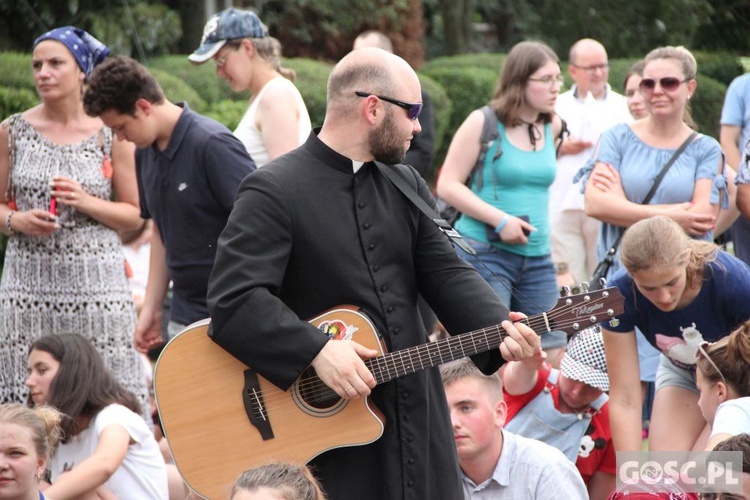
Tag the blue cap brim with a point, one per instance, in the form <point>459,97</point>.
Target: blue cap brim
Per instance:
<point>206,52</point>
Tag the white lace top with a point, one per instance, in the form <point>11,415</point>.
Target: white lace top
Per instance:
<point>71,281</point>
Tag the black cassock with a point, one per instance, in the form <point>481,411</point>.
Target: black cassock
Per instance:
<point>307,234</point>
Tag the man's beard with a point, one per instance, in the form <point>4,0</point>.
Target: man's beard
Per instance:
<point>384,142</point>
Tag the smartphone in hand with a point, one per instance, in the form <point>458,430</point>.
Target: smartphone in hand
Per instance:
<point>525,218</point>
<point>491,235</point>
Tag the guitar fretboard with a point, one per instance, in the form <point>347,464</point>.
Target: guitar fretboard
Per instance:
<point>414,359</point>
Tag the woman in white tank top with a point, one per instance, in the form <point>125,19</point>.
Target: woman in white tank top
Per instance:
<point>249,59</point>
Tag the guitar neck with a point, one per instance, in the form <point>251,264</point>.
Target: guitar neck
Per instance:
<point>571,314</point>
<point>413,359</point>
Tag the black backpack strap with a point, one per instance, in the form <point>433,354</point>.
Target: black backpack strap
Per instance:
<point>489,135</point>
<point>426,209</point>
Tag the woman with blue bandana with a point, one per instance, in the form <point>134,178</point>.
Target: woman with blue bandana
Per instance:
<point>66,189</point>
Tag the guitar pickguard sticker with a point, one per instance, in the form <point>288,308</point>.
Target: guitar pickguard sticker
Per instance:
<point>338,330</point>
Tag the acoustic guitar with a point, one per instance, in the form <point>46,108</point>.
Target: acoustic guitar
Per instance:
<point>221,417</point>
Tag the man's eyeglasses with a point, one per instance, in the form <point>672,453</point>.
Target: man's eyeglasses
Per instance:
<point>550,81</point>
<point>413,109</point>
<point>702,351</point>
<point>594,68</point>
<point>668,83</point>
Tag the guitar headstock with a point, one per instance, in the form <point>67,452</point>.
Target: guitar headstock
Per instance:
<point>574,313</point>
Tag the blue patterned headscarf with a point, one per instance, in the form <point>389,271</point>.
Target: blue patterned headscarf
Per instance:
<point>87,50</point>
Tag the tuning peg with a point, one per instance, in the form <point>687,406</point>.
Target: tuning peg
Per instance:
<point>603,282</point>
<point>565,291</point>
<point>584,286</point>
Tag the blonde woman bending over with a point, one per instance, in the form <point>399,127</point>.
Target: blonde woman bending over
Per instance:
<point>680,292</point>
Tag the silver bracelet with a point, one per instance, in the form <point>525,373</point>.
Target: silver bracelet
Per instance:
<point>7,221</point>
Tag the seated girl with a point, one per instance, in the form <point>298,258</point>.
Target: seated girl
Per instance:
<point>106,445</point>
<point>723,377</point>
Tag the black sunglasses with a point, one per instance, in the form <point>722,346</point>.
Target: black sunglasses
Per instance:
<point>413,109</point>
<point>668,83</point>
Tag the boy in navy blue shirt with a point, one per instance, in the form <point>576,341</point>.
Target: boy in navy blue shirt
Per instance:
<point>188,168</point>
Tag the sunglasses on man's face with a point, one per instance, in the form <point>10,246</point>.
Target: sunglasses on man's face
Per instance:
<point>413,109</point>
<point>668,83</point>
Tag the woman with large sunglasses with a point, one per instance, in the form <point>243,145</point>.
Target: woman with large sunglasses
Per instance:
<point>723,377</point>
<point>506,212</point>
<point>629,157</point>
<point>680,292</point>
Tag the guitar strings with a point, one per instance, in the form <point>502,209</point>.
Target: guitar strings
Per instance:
<point>313,389</point>
<point>393,364</point>
<point>380,362</point>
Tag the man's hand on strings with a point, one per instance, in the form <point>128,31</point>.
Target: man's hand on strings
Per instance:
<point>522,342</point>
<point>339,365</point>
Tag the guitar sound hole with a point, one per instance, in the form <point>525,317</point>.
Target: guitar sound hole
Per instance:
<point>315,393</point>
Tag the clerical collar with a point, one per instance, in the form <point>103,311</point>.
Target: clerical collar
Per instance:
<point>356,165</point>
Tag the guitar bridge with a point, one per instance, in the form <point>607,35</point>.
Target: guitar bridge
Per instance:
<point>252,397</point>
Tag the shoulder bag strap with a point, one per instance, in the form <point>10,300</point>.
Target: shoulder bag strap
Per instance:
<point>657,182</point>
<point>11,157</point>
<point>422,205</point>
<point>664,170</point>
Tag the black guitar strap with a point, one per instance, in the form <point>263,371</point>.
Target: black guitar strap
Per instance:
<point>412,195</point>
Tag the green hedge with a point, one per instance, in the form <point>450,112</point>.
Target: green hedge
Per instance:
<point>202,78</point>
<point>15,71</point>
<point>720,66</point>
<point>706,105</point>
<point>16,100</point>
<point>227,111</point>
<point>618,68</point>
<point>441,109</point>
<point>177,90</point>
<point>312,79</point>
<point>490,61</point>
<point>468,88</point>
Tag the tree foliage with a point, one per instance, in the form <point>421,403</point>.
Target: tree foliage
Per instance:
<point>131,27</point>
<point>626,27</point>
<point>728,27</point>
<point>326,29</point>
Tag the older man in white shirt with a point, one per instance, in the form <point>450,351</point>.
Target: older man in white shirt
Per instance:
<point>590,107</point>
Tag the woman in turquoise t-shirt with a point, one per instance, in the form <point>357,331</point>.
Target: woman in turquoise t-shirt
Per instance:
<point>506,219</point>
